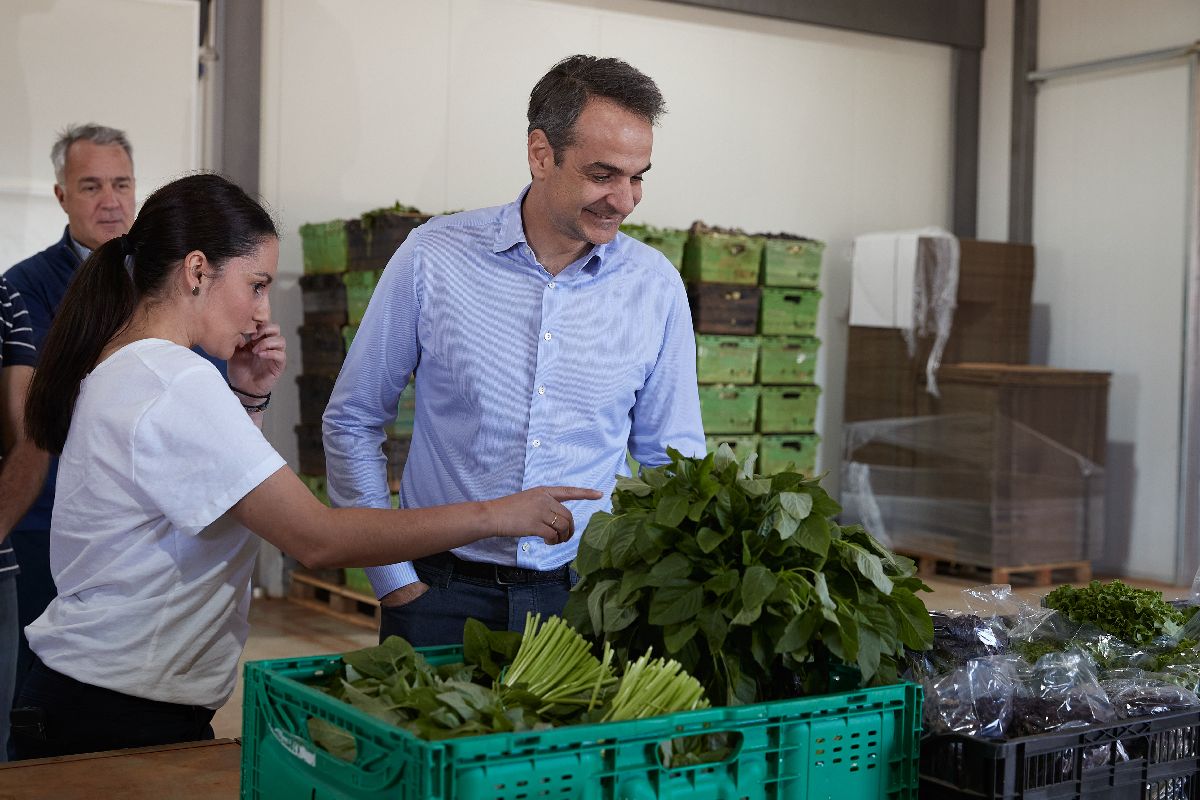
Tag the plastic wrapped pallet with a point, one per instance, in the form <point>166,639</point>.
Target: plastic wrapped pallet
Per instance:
<point>975,489</point>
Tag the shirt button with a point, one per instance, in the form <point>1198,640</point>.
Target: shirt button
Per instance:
<point>541,390</point>
<point>547,337</point>
<point>550,284</point>
<point>525,547</point>
<point>537,442</point>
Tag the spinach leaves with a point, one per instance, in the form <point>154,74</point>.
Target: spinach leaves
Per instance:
<point>747,581</point>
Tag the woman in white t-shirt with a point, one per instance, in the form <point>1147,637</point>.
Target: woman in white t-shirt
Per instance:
<point>165,476</point>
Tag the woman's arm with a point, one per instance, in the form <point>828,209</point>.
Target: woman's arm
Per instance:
<point>283,511</point>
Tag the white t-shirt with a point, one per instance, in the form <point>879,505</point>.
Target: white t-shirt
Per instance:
<point>153,576</point>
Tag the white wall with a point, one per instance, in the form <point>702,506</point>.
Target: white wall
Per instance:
<point>1109,228</point>
<point>130,64</point>
<point>772,126</point>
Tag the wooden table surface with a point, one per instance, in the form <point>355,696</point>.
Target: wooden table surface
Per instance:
<point>193,771</point>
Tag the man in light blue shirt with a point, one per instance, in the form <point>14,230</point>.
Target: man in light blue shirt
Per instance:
<point>544,344</point>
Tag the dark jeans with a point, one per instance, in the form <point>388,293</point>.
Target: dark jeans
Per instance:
<point>35,590</point>
<point>438,616</point>
<point>59,716</point>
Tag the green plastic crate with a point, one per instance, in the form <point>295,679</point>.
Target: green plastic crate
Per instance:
<point>859,745</point>
<point>788,409</point>
<point>324,245</point>
<point>789,312</point>
<point>668,241</point>
<point>356,580</point>
<point>790,262</point>
<point>726,359</point>
<point>729,409</point>
<point>741,445</point>
<point>722,258</point>
<point>787,359</point>
<point>777,451</point>
<point>359,287</point>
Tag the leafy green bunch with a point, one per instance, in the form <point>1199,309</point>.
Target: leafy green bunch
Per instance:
<point>506,682</point>
<point>1137,616</point>
<point>747,581</point>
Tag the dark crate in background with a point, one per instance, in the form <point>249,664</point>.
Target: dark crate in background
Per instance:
<point>322,349</point>
<point>324,299</point>
<point>725,308</point>
<point>315,391</point>
<point>371,242</point>
<point>311,449</point>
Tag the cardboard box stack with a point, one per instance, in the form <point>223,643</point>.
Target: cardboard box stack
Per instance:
<point>1027,487</point>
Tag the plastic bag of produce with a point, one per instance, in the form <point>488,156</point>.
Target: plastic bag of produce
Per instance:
<point>1136,693</point>
<point>976,698</point>
<point>1059,692</point>
<point>1107,651</point>
<point>958,638</point>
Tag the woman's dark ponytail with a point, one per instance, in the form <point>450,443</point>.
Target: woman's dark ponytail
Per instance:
<point>200,212</point>
<point>98,303</point>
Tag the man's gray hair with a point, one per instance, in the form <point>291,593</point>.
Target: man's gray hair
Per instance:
<point>91,132</point>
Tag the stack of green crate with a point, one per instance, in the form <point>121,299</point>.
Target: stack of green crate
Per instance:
<point>343,261</point>
<point>791,273</point>
<point>668,241</point>
<point>757,392</point>
<point>716,264</point>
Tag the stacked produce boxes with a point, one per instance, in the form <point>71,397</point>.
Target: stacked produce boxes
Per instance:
<point>343,260</point>
<point>1030,491</point>
<point>754,307</point>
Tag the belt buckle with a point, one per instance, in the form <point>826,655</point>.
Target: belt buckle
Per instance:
<point>501,571</point>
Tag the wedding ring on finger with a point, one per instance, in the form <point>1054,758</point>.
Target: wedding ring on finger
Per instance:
<point>554,522</point>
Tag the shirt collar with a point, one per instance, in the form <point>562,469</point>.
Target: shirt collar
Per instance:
<point>68,243</point>
<point>80,250</point>
<point>512,233</point>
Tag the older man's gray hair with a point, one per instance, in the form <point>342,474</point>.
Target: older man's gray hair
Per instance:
<point>91,132</point>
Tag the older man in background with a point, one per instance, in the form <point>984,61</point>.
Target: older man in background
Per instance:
<point>94,185</point>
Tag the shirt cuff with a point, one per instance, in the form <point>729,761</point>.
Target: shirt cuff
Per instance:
<point>385,580</point>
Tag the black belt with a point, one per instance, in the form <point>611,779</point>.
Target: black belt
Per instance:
<point>494,573</point>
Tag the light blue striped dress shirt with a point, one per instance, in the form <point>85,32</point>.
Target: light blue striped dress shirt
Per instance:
<point>523,379</point>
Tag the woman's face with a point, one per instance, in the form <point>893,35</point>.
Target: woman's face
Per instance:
<point>237,303</point>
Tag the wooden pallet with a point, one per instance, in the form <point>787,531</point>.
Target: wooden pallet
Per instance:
<point>929,565</point>
<point>335,600</point>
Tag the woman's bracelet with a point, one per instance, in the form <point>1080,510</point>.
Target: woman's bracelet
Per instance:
<point>261,406</point>
<point>266,396</point>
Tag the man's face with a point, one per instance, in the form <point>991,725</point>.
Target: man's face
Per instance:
<point>98,195</point>
<point>599,181</point>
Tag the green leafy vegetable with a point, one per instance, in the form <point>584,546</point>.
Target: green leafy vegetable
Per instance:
<point>753,587</point>
<point>1137,616</point>
<point>507,682</point>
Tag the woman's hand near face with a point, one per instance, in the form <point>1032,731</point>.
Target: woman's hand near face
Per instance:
<point>257,364</point>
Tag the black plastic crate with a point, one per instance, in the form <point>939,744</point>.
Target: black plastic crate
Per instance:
<point>322,349</point>
<point>315,391</point>
<point>324,298</point>
<point>1151,758</point>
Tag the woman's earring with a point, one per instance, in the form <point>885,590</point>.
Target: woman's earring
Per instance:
<point>195,291</point>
